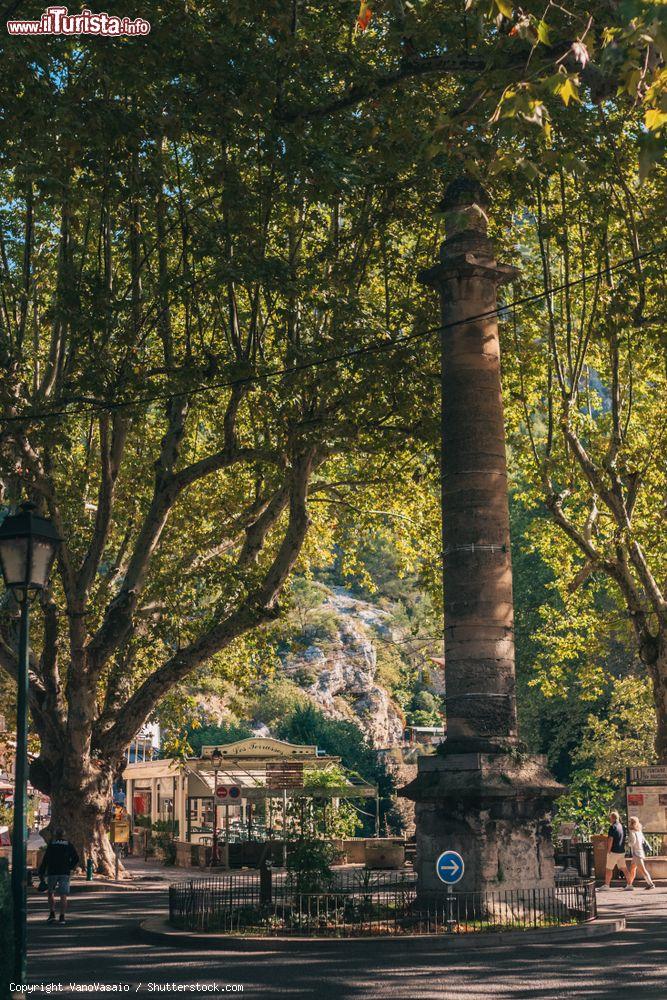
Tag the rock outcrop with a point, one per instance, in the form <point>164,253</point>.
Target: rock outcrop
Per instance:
<point>346,685</point>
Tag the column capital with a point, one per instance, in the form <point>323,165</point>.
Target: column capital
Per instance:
<point>466,265</point>
<point>467,250</point>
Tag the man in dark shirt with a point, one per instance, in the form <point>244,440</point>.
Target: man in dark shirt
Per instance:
<point>59,860</point>
<point>615,848</point>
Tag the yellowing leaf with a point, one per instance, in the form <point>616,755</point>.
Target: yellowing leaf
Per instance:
<point>564,86</point>
<point>654,119</point>
<point>632,82</point>
<point>504,6</point>
<point>543,32</point>
<point>569,92</point>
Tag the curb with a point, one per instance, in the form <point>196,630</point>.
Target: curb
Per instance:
<point>128,885</point>
<point>158,931</point>
<point>110,886</point>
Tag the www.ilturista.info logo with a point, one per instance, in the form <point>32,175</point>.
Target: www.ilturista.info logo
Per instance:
<point>58,21</point>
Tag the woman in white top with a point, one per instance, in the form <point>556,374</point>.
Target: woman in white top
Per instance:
<point>636,844</point>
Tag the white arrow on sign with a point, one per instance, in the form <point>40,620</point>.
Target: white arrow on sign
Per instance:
<point>451,867</point>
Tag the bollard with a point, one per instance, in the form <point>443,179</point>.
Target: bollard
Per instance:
<point>89,870</point>
<point>265,883</point>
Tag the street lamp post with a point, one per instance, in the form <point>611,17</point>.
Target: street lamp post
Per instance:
<point>28,546</point>
<point>216,757</point>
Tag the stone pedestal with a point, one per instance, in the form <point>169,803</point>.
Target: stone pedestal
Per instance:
<point>495,810</point>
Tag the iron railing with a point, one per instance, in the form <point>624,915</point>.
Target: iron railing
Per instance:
<point>656,843</point>
<point>242,905</point>
<point>577,856</point>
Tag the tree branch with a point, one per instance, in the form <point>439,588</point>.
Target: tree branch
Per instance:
<point>441,65</point>
<point>257,608</point>
<point>111,453</point>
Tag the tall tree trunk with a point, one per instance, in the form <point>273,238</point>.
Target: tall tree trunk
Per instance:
<point>657,664</point>
<point>81,804</point>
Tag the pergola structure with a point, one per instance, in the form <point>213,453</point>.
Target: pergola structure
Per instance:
<point>264,769</point>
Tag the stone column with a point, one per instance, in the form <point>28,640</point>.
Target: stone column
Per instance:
<point>179,805</point>
<point>154,802</point>
<point>479,611</point>
<point>481,794</point>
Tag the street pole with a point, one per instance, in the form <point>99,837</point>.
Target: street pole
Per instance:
<point>20,829</point>
<point>284,828</point>
<point>28,546</point>
<point>214,850</point>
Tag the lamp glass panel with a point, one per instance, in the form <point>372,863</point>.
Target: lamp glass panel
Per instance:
<point>14,558</point>
<point>43,554</point>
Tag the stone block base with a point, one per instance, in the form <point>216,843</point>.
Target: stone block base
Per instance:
<point>495,810</point>
<point>657,867</point>
<point>385,853</point>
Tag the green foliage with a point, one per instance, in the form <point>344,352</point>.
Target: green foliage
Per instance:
<point>391,670</point>
<point>586,419</point>
<point>322,819</point>
<point>425,709</point>
<point>6,815</point>
<point>321,629</point>
<point>624,737</point>
<point>345,740</point>
<point>309,865</point>
<point>307,725</point>
<point>277,702</point>
<point>306,597</point>
<point>230,732</point>
<point>253,194</point>
<point>164,836</point>
<point>586,804</point>
<point>177,716</point>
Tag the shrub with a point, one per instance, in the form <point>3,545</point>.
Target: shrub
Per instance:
<point>278,702</point>
<point>209,736</point>
<point>305,676</point>
<point>322,627</point>
<point>309,865</point>
<point>586,804</point>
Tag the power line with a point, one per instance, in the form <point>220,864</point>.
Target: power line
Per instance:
<point>394,345</point>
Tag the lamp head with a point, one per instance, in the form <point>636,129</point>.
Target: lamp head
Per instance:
<point>28,547</point>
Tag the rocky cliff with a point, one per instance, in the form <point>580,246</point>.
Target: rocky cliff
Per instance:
<point>344,669</point>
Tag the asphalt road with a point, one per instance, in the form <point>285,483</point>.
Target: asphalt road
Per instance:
<point>100,944</point>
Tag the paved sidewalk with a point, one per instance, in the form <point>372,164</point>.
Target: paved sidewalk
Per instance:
<point>101,944</point>
<point>139,875</point>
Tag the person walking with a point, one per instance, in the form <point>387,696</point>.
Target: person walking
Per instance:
<point>637,845</point>
<point>60,859</point>
<point>616,839</point>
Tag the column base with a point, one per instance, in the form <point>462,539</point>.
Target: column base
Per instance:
<point>494,809</point>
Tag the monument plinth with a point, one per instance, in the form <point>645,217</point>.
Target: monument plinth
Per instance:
<point>481,795</point>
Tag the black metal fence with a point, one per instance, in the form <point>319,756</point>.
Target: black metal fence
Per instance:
<point>576,856</point>
<point>349,908</point>
<point>656,843</point>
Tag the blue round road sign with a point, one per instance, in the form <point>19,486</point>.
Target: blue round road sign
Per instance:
<point>449,867</point>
